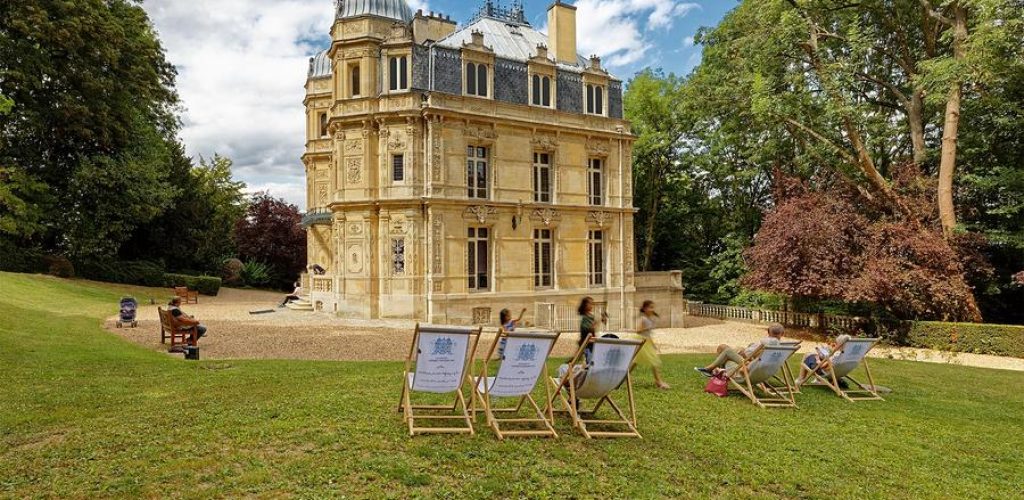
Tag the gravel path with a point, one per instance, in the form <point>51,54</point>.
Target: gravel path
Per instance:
<point>234,333</point>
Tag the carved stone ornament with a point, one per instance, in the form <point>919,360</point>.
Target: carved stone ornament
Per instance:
<point>546,215</point>
<point>598,148</point>
<point>353,147</point>
<point>485,133</point>
<point>397,142</point>
<point>438,246</point>
<point>321,193</point>
<point>355,229</point>
<point>481,213</point>
<point>435,153</point>
<point>398,224</point>
<point>354,169</point>
<point>544,142</point>
<point>481,315</point>
<point>600,219</point>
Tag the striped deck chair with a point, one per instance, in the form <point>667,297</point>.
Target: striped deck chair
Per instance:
<point>442,357</point>
<point>758,377</point>
<point>852,354</point>
<point>523,362</point>
<point>611,361</point>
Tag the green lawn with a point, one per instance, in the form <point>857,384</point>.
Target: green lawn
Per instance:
<point>83,413</point>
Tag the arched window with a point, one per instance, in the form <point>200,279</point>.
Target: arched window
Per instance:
<point>595,99</point>
<point>481,83</point>
<point>398,73</point>
<point>471,79</point>
<point>356,82</point>
<point>541,91</point>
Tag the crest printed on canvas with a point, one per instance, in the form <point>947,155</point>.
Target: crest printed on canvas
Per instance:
<point>527,352</point>
<point>442,347</point>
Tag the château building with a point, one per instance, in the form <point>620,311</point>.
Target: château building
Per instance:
<point>453,171</point>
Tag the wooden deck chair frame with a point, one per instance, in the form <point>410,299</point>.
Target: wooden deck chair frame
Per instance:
<point>458,410</point>
<point>566,384</point>
<point>787,372</point>
<point>771,395</point>
<point>542,424</point>
<point>862,392</point>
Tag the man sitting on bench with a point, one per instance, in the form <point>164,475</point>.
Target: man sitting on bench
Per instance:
<point>183,319</point>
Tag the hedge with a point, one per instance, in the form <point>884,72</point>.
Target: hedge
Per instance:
<point>206,285</point>
<point>143,273</point>
<point>18,260</point>
<point>998,340</point>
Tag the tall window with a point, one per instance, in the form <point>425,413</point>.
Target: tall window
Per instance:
<point>479,259</point>
<point>476,79</point>
<point>541,177</point>
<point>398,73</point>
<point>542,258</point>
<point>356,81</point>
<point>398,256</point>
<point>323,124</point>
<point>542,91</point>
<point>398,168</point>
<point>595,259</point>
<point>595,181</point>
<point>595,99</point>
<point>476,171</point>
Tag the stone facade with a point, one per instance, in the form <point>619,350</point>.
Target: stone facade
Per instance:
<point>409,235</point>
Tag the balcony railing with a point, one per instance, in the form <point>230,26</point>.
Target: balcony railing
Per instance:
<point>317,216</point>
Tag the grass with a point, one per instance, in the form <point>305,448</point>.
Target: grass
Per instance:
<point>83,413</point>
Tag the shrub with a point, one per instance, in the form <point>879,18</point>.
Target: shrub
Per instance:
<point>14,259</point>
<point>206,285</point>
<point>60,267</point>
<point>999,340</point>
<point>143,273</point>
<point>255,273</point>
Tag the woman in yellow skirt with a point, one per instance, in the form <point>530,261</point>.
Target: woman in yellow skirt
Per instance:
<point>648,355</point>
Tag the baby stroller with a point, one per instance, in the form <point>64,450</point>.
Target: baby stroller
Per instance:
<point>128,307</point>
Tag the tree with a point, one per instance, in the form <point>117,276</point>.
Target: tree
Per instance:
<point>94,119</point>
<point>271,233</point>
<point>196,233</point>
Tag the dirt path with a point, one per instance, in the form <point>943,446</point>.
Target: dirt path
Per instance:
<point>234,333</point>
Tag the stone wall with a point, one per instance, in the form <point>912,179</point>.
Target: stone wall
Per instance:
<point>666,290</point>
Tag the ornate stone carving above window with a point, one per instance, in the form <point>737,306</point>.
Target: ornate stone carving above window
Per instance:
<point>597,147</point>
<point>546,216</point>
<point>481,315</point>
<point>397,142</point>
<point>354,147</point>
<point>481,133</point>
<point>544,142</point>
<point>599,219</point>
<point>480,212</point>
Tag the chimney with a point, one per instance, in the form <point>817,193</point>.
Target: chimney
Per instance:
<point>562,32</point>
<point>478,37</point>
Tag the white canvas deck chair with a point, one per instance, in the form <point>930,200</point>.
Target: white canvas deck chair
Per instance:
<point>758,378</point>
<point>442,357</point>
<point>611,363</point>
<point>523,363</point>
<point>848,357</point>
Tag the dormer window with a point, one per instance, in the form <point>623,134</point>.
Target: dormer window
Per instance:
<point>476,79</point>
<point>541,90</point>
<point>398,73</point>
<point>595,99</point>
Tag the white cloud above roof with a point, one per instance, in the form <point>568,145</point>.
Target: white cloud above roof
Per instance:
<point>614,29</point>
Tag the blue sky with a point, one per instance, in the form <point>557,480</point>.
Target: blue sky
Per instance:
<point>242,66</point>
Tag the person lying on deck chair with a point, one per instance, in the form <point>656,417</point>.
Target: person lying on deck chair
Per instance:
<point>729,357</point>
<point>813,360</point>
<point>296,295</point>
<point>184,319</point>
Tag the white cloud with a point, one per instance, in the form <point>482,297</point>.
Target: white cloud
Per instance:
<point>613,29</point>
<point>242,66</point>
<point>688,41</point>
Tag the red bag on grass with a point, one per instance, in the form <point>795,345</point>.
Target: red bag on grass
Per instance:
<point>718,385</point>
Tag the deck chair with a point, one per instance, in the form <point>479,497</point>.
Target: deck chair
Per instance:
<point>522,364</point>
<point>758,377</point>
<point>847,358</point>
<point>187,296</point>
<point>611,362</point>
<point>441,357</point>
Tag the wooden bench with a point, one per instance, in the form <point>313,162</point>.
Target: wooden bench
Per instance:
<point>187,296</point>
<point>179,335</point>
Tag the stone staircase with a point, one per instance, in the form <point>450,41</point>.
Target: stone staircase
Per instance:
<point>302,304</point>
